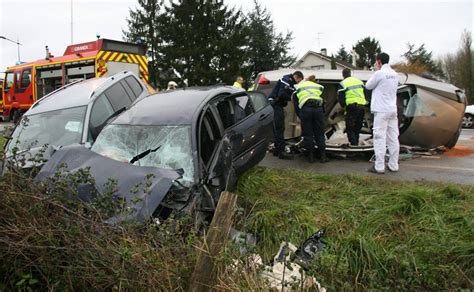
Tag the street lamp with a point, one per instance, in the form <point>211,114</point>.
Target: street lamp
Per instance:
<point>17,43</point>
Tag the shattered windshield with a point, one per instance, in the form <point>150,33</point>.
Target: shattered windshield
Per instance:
<point>157,146</point>
<point>59,128</point>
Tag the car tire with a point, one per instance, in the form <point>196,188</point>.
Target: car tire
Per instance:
<point>468,121</point>
<point>454,140</point>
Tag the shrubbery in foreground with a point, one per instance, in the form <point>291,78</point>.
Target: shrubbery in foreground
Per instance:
<point>380,234</point>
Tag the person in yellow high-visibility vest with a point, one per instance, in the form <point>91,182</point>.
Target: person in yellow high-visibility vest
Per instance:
<point>239,82</point>
<point>309,108</point>
<point>352,99</point>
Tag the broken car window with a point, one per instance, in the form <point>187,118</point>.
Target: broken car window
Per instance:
<point>258,99</point>
<point>234,109</point>
<point>417,107</point>
<point>124,142</point>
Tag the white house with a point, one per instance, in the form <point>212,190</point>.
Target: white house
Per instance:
<point>320,61</point>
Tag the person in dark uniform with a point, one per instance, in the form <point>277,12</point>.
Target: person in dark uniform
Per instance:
<point>352,99</point>
<point>279,98</point>
<point>309,108</point>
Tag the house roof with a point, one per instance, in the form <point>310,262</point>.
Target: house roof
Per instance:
<point>324,57</point>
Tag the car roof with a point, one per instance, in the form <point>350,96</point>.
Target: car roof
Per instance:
<point>364,75</point>
<point>176,107</point>
<point>326,75</point>
<point>74,94</point>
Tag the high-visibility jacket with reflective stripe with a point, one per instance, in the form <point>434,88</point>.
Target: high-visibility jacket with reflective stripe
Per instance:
<point>307,90</point>
<point>354,90</point>
<point>237,84</point>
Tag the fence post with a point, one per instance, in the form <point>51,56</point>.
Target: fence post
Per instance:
<point>204,275</point>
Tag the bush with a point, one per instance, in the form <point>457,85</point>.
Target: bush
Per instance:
<point>381,235</point>
<point>52,241</point>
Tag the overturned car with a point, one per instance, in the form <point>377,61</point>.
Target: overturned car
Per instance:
<point>430,113</point>
<point>192,142</point>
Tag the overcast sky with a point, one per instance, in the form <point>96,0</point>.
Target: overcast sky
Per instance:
<point>437,24</point>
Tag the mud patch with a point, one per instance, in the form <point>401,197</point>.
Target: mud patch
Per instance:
<point>459,151</point>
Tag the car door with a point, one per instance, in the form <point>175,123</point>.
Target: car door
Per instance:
<point>246,119</point>
<point>213,166</point>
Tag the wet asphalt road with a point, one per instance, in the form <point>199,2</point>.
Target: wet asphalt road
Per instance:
<point>455,165</point>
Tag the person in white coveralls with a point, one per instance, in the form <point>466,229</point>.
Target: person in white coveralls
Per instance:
<point>383,105</point>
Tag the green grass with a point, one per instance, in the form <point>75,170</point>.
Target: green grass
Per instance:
<point>2,142</point>
<point>381,234</point>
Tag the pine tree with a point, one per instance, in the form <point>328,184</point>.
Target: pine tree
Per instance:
<point>422,58</point>
<point>344,55</point>
<point>333,63</point>
<point>269,50</point>
<point>367,50</point>
<point>204,41</point>
<point>143,28</point>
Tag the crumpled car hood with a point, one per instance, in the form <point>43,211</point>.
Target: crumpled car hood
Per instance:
<point>128,176</point>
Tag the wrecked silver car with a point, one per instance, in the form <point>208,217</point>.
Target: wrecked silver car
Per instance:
<point>195,142</point>
<point>430,113</point>
<point>73,114</point>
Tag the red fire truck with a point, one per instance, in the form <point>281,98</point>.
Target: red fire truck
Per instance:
<point>25,83</point>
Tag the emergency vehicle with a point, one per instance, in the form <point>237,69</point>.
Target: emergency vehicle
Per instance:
<point>1,100</point>
<point>25,83</point>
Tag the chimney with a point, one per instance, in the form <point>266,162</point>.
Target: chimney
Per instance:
<point>324,52</point>
<point>47,53</point>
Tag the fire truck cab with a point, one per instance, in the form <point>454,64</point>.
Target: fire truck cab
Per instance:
<point>25,83</point>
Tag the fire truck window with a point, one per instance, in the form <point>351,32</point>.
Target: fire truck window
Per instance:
<point>8,81</point>
<point>17,79</point>
<point>25,78</point>
<point>135,85</point>
<point>118,97</point>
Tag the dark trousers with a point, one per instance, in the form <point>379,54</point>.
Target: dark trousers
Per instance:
<point>312,126</point>
<point>279,128</point>
<point>354,118</point>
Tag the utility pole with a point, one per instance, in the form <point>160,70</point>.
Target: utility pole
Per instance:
<point>17,42</point>
<point>318,38</point>
<point>72,39</point>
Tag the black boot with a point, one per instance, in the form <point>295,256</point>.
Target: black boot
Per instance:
<point>311,157</point>
<point>284,155</point>
<point>324,158</point>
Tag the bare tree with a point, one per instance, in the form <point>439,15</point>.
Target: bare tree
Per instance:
<point>458,67</point>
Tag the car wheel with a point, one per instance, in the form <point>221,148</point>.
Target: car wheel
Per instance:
<point>454,140</point>
<point>467,121</point>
